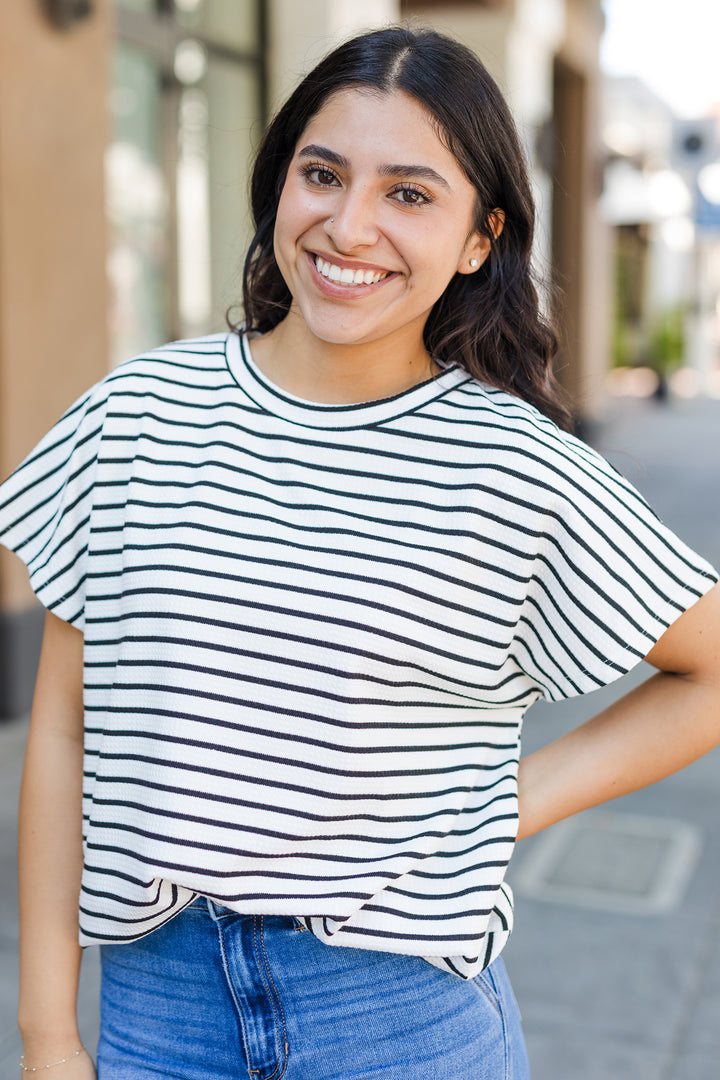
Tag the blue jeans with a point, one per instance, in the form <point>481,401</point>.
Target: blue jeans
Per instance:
<point>214,995</point>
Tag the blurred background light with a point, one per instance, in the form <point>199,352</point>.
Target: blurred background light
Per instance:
<point>190,62</point>
<point>709,182</point>
<point>678,233</point>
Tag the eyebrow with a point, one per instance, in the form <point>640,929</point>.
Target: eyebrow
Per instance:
<point>420,172</point>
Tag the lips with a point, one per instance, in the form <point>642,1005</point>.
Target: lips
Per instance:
<point>344,275</point>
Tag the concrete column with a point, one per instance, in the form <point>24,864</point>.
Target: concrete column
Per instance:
<point>53,309</point>
<point>581,240</point>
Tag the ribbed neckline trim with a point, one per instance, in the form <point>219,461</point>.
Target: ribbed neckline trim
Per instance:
<point>317,415</point>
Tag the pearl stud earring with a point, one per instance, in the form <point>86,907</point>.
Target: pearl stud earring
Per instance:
<point>473,263</point>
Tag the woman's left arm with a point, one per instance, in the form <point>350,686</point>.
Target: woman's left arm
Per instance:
<point>670,720</point>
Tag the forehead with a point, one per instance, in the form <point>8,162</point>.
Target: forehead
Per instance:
<point>392,124</point>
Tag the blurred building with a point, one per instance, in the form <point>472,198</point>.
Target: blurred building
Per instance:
<point>126,132</point>
<point>662,199</point>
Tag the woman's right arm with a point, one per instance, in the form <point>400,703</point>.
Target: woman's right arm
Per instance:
<point>50,859</point>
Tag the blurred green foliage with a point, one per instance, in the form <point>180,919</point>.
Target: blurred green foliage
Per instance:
<point>666,344</point>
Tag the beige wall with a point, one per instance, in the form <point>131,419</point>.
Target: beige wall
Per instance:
<point>53,312</point>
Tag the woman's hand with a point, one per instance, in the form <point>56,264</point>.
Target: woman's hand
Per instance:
<point>78,1067</point>
<point>656,729</point>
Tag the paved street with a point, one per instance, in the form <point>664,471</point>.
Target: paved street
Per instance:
<point>613,984</point>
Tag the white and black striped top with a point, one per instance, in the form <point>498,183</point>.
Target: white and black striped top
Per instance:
<point>311,633</point>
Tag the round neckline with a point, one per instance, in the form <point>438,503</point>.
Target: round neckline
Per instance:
<point>271,398</point>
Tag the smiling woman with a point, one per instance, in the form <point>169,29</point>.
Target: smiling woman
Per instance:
<point>432,130</point>
<point>367,246</point>
<point>305,578</point>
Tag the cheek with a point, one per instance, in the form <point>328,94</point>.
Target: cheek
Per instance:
<point>296,209</point>
<point>287,207</point>
<point>288,226</point>
<point>436,257</point>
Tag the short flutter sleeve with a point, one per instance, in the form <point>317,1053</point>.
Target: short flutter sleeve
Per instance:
<point>608,578</point>
<point>45,507</point>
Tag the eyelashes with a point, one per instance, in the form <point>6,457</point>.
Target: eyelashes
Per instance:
<point>319,175</point>
<point>417,196</point>
<point>406,194</point>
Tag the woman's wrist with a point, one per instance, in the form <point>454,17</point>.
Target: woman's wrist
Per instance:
<point>43,1046</point>
<point>31,1063</point>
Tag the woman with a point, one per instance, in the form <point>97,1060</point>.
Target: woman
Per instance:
<point>318,572</point>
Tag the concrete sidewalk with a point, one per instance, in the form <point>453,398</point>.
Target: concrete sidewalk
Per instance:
<point>613,984</point>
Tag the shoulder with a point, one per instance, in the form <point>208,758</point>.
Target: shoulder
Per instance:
<point>189,362</point>
<point>516,439</point>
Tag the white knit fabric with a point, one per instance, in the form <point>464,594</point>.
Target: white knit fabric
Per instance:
<point>311,634</point>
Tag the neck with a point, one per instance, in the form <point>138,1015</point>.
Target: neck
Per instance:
<point>332,374</point>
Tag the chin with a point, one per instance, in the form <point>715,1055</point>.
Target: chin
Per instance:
<point>328,332</point>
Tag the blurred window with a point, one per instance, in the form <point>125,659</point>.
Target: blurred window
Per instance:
<point>187,107</point>
<point>226,22</point>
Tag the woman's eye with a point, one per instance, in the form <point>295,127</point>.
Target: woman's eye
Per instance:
<point>411,196</point>
<point>317,175</point>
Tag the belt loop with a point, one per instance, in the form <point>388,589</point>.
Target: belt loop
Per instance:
<point>214,910</point>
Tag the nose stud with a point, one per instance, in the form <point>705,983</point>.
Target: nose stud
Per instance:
<point>331,220</point>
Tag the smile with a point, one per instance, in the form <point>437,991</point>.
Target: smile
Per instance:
<point>346,276</point>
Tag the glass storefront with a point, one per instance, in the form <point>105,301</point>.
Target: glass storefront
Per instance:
<point>187,108</point>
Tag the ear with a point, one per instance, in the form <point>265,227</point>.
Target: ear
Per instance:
<point>478,246</point>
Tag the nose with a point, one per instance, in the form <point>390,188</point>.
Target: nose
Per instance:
<point>353,223</point>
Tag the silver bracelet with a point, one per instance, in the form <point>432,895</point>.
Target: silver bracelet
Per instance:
<point>38,1068</point>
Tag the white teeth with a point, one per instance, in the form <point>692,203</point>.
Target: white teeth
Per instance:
<point>346,276</point>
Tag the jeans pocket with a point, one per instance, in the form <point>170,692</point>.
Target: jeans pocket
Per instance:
<point>486,984</point>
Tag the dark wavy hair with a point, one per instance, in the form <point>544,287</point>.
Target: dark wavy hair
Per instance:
<point>488,321</point>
